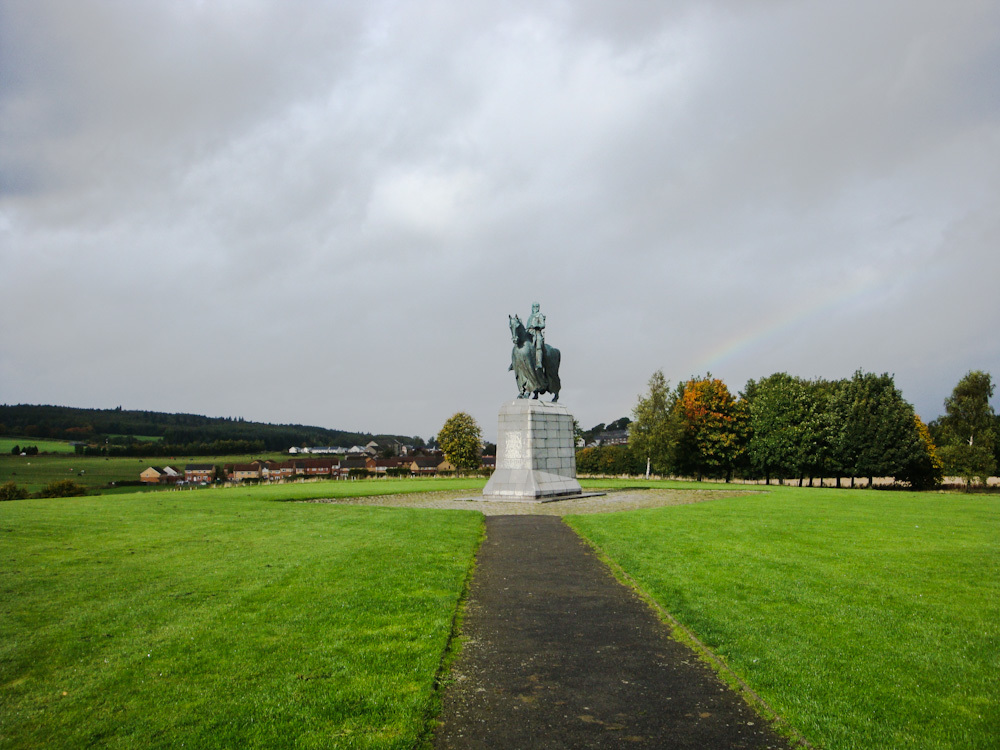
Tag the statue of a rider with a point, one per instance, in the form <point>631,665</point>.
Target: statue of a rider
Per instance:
<point>535,363</point>
<point>536,329</point>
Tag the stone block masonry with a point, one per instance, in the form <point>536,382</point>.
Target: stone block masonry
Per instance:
<point>536,459</point>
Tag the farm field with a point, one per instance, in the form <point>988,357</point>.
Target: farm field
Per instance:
<point>866,619</point>
<point>224,620</point>
<point>44,446</point>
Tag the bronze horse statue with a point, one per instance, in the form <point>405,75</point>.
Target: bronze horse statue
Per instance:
<point>530,378</point>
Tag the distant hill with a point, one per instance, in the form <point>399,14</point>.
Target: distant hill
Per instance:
<point>121,427</point>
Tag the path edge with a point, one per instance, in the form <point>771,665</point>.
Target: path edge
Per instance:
<point>680,633</point>
<point>449,655</point>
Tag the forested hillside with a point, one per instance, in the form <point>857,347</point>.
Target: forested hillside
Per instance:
<point>125,429</point>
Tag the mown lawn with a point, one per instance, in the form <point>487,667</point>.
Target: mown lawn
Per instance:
<point>866,619</point>
<point>202,619</point>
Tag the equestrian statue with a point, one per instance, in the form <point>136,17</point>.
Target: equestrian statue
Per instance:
<point>535,363</point>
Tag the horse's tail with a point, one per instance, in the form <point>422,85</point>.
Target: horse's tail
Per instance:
<point>552,370</point>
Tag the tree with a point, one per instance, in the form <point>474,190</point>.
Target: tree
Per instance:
<point>652,434</point>
<point>461,440</point>
<point>590,435</point>
<point>819,429</point>
<point>924,468</point>
<point>996,440</point>
<point>777,409</point>
<point>875,434</point>
<point>713,428</point>
<point>968,429</point>
<point>608,459</point>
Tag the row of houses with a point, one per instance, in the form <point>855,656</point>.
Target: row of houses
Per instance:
<point>371,449</point>
<point>330,468</point>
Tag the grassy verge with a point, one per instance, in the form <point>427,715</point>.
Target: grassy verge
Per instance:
<point>213,620</point>
<point>353,488</point>
<point>866,619</point>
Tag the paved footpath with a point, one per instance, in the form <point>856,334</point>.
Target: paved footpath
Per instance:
<point>558,654</point>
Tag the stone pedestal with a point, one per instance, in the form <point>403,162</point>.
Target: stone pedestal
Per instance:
<point>536,456</point>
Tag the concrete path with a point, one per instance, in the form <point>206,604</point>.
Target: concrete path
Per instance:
<point>560,655</point>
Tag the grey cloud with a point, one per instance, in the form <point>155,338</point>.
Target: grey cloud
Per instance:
<point>276,189</point>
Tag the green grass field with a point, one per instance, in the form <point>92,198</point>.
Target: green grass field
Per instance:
<point>44,446</point>
<point>227,618</point>
<point>866,619</point>
<point>206,619</point>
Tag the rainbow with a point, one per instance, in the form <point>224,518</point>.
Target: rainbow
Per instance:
<point>831,303</point>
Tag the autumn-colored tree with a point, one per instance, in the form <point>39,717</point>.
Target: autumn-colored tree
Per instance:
<point>713,428</point>
<point>462,441</point>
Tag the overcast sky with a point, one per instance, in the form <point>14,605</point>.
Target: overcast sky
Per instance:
<point>323,212</point>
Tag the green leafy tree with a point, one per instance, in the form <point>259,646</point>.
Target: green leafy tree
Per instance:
<point>652,435</point>
<point>968,429</point>
<point>818,429</point>
<point>590,435</point>
<point>777,408</point>
<point>875,434</point>
<point>461,440</point>
<point>608,459</point>
<point>996,440</point>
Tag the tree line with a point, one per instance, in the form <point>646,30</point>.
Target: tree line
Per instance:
<point>784,427</point>
<point>118,431</point>
<point>162,448</point>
